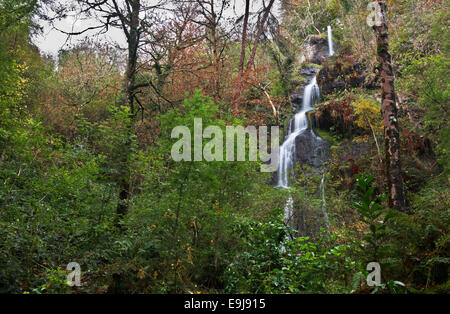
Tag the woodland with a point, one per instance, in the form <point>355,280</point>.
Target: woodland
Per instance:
<point>87,176</point>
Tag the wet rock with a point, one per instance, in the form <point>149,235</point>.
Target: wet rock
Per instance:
<point>309,71</point>
<point>310,149</point>
<point>314,50</point>
<point>337,76</point>
<point>297,98</point>
<point>353,151</point>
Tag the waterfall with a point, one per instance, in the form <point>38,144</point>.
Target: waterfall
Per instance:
<point>330,41</point>
<point>324,203</point>
<point>300,136</point>
<point>288,210</point>
<point>297,125</point>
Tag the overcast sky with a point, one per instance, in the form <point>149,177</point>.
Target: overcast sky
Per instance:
<point>52,40</point>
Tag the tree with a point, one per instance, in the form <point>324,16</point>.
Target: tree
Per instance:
<point>260,30</point>
<point>15,24</point>
<point>397,197</point>
<point>165,45</point>
<point>131,16</point>
<point>244,37</point>
<point>211,14</point>
<point>14,13</point>
<point>86,82</point>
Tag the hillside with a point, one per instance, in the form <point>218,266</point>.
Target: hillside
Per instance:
<point>120,159</point>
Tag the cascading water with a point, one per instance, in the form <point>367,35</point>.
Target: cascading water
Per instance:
<point>330,41</point>
<point>297,125</point>
<point>287,152</point>
<point>322,198</point>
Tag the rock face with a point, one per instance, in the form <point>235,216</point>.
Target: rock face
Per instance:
<point>314,50</point>
<point>333,77</point>
<point>310,149</point>
<point>304,146</point>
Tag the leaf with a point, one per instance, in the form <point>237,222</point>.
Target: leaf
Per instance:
<point>141,274</point>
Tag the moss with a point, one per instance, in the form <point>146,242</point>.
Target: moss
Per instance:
<point>304,65</point>
<point>328,136</point>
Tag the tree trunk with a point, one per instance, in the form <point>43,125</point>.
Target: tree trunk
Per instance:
<point>244,37</point>
<point>251,58</point>
<point>397,197</point>
<point>216,78</point>
<point>133,43</point>
<point>259,33</point>
<point>238,92</point>
<point>130,80</point>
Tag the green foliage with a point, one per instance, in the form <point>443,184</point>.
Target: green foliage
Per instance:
<point>283,56</point>
<point>421,241</point>
<point>429,78</point>
<point>271,262</point>
<point>371,210</point>
<point>55,282</point>
<point>368,114</point>
<point>56,209</point>
<point>16,13</point>
<point>179,229</point>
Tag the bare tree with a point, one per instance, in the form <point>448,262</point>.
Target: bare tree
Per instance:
<point>164,43</point>
<point>260,29</point>
<point>210,16</point>
<point>244,37</point>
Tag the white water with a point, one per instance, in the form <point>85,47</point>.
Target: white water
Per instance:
<point>297,125</point>
<point>324,203</point>
<point>330,41</point>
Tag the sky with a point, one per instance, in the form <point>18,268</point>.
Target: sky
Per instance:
<point>52,40</point>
